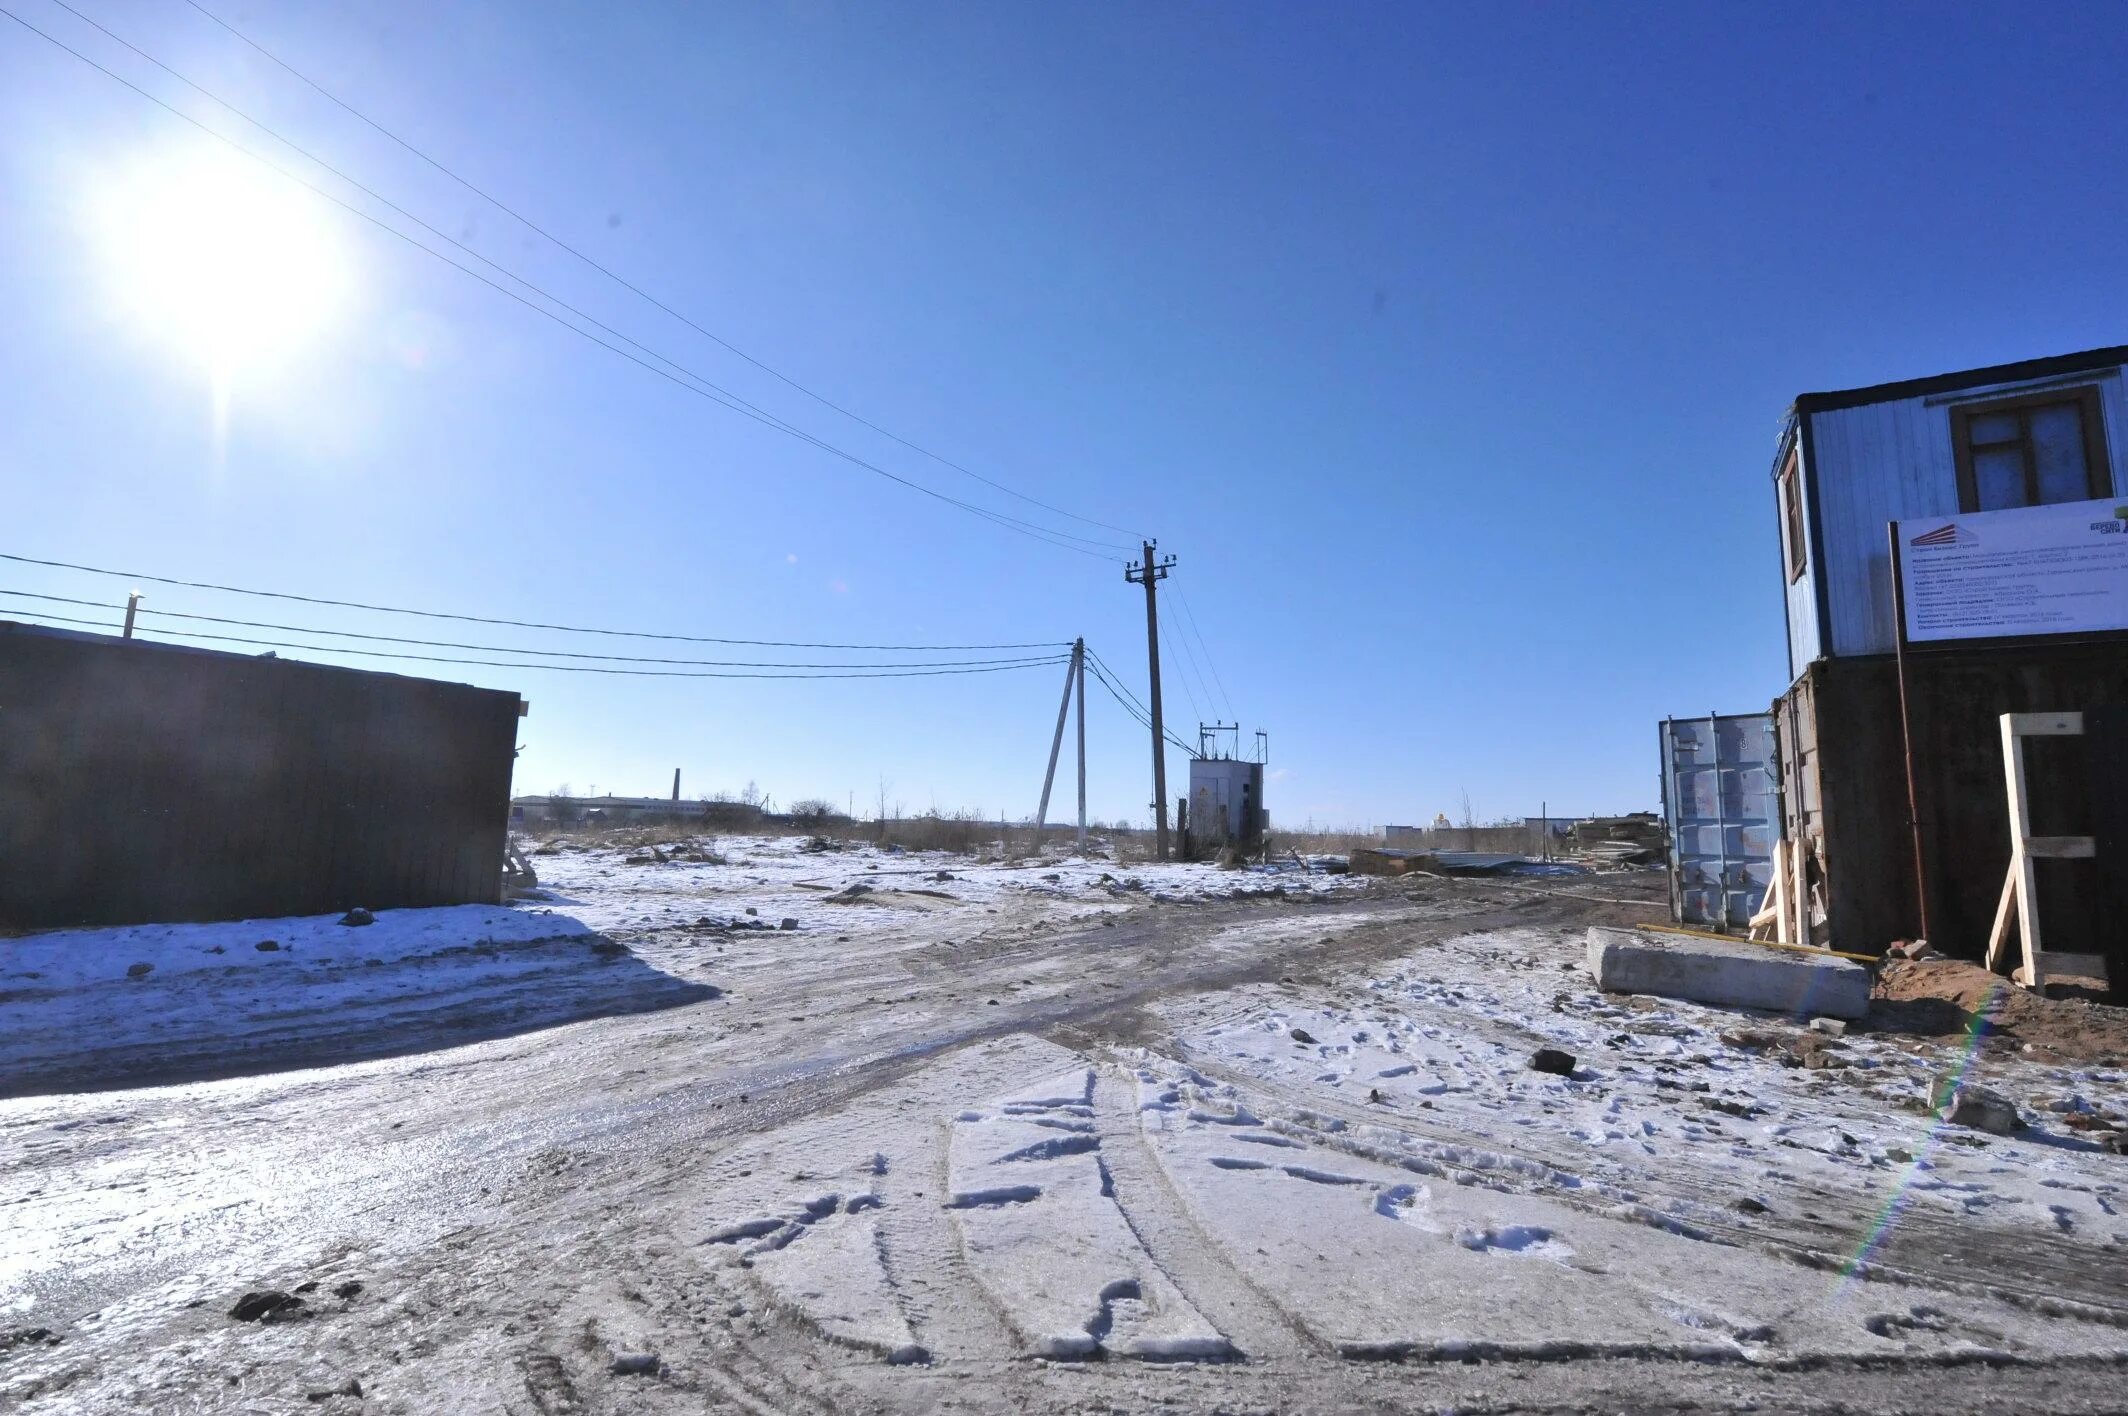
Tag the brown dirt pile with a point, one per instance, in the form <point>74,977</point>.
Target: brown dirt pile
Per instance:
<point>1939,997</point>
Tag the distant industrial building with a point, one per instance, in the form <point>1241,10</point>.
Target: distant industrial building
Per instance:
<point>560,810</point>
<point>148,783</point>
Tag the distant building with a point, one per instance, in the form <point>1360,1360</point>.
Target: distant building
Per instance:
<point>536,810</point>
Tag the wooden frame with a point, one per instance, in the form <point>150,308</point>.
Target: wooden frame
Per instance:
<point>2020,886</point>
<point>2098,471</point>
<point>1773,912</point>
<point>1792,516</point>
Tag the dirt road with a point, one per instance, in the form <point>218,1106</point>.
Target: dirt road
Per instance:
<point>1040,1165</point>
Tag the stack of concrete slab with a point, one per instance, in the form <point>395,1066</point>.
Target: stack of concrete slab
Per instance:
<point>1731,973</point>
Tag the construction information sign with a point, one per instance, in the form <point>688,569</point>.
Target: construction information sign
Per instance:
<point>2059,569</point>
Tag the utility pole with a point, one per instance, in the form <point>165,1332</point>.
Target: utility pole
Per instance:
<point>132,606</point>
<point>1056,744</point>
<point>1078,654</point>
<point>1149,574</point>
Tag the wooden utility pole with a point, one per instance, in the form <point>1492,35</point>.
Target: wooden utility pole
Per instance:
<point>1056,744</point>
<point>1149,574</point>
<point>132,608</point>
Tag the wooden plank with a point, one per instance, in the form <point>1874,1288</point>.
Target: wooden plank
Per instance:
<point>2000,934</point>
<point>2106,765</point>
<point>1772,910</point>
<point>2046,724</point>
<point>2060,847</point>
<point>2013,767</point>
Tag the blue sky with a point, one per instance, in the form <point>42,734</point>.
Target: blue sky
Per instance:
<point>1445,347</point>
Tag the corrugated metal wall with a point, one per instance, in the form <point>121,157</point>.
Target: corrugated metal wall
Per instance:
<point>144,782</point>
<point>1720,799</point>
<point>1885,462</point>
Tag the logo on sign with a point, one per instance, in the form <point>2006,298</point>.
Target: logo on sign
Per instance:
<point>1948,534</point>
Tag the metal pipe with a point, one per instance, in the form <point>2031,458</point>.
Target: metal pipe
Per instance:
<point>1906,733</point>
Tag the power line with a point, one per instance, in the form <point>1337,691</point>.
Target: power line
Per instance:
<point>1128,707</point>
<point>1183,672</point>
<point>138,576</point>
<point>1005,666</point>
<point>490,648</point>
<point>623,282</point>
<point>684,378</point>
<point>1137,713</point>
<point>1137,704</point>
<point>725,396</point>
<point>1190,617</point>
<point>1189,659</point>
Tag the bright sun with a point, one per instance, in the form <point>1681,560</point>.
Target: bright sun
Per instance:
<point>232,265</point>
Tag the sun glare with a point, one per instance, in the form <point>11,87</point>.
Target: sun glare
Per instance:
<point>231,265</point>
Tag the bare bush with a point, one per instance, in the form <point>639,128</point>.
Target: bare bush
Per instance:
<point>960,832</point>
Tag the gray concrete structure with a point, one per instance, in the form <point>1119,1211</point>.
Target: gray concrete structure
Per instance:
<point>1728,973</point>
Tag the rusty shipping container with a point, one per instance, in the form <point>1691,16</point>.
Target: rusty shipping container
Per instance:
<point>144,782</point>
<point>1844,792</point>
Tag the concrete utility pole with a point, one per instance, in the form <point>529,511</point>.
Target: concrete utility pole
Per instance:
<point>1078,655</point>
<point>1056,745</point>
<point>676,785</point>
<point>1150,574</point>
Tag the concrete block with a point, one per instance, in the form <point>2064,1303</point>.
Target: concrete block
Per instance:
<point>1728,973</point>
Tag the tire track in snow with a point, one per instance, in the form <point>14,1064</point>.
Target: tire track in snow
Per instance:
<point>1173,1240</point>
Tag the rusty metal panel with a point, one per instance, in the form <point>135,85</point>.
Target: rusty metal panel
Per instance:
<point>144,782</point>
<point>1843,755</point>
<point>1720,800</point>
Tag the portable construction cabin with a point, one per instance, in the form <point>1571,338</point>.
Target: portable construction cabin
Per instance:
<point>1961,538</point>
<point>146,783</point>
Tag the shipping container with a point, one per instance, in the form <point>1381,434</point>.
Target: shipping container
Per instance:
<point>144,782</point>
<point>1720,803</point>
<point>1843,752</point>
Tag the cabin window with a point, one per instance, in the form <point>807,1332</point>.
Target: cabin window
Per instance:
<point>1792,519</point>
<point>2031,451</point>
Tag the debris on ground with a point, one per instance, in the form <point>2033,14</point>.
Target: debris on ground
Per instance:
<point>1963,1103</point>
<point>1552,1060</point>
<point>358,916</point>
<point>268,1305</point>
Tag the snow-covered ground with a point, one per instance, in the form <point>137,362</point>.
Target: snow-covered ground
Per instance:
<point>171,1002</point>
<point>139,996</point>
<point>1693,1094</point>
<point>1026,1138</point>
<point>773,878</point>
